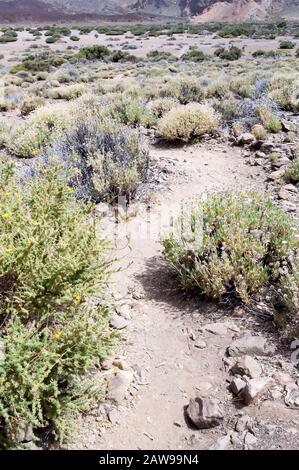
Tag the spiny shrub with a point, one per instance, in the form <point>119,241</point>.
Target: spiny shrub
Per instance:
<point>4,130</point>
<point>189,90</point>
<point>292,172</point>
<point>235,244</point>
<point>287,97</point>
<point>187,122</point>
<point>109,160</point>
<point>51,260</point>
<point>38,130</point>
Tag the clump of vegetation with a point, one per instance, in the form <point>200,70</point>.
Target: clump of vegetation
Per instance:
<point>187,122</point>
<point>292,172</point>
<point>96,52</point>
<point>30,103</point>
<point>161,106</point>
<point>109,160</point>
<point>51,260</point>
<point>194,55</point>
<point>38,63</point>
<point>286,44</point>
<point>233,53</point>
<point>259,132</point>
<point>44,125</point>
<point>236,245</point>
<point>67,93</point>
<point>269,120</point>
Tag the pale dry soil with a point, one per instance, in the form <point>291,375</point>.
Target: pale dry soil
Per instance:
<point>178,45</point>
<point>160,336</point>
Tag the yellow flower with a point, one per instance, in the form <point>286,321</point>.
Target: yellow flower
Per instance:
<point>78,297</point>
<point>69,190</point>
<point>57,335</point>
<point>8,250</point>
<point>35,152</point>
<point>6,194</point>
<point>5,216</point>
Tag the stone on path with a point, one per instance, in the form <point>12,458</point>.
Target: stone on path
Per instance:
<point>205,413</point>
<point>255,388</point>
<point>251,345</point>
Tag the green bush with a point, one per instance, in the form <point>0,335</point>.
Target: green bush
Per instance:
<point>287,44</point>
<point>95,52</point>
<point>51,260</point>
<point>292,172</point>
<point>194,55</point>
<point>233,53</point>
<point>235,244</point>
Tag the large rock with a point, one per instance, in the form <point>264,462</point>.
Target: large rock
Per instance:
<point>255,388</point>
<point>246,138</point>
<point>246,365</point>
<point>118,385</point>
<point>237,385</point>
<point>251,345</point>
<point>222,443</point>
<point>277,174</point>
<point>118,323</point>
<point>205,413</point>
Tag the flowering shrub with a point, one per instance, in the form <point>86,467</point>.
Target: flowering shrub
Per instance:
<point>51,261</point>
<point>236,244</point>
<point>44,125</point>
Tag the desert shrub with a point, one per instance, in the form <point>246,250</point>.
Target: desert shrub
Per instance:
<point>41,62</point>
<point>4,130</point>
<point>186,122</point>
<point>95,52</point>
<point>131,111</point>
<point>74,38</point>
<point>30,103</point>
<point>297,52</point>
<point>269,120</point>
<point>292,172</point>
<point>51,260</point>
<point>217,89</point>
<point>286,97</point>
<point>158,56</point>
<point>194,55</point>
<point>259,132</point>
<point>52,39</point>
<point>233,53</point>
<point>44,125</point>
<point>109,159</point>
<point>242,87</point>
<point>286,44</point>
<point>185,89</point>
<point>65,74</point>
<point>69,92</point>
<point>6,104</point>
<point>161,106</point>
<point>234,244</point>
<point>229,109</point>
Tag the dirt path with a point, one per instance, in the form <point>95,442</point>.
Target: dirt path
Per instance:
<point>162,338</point>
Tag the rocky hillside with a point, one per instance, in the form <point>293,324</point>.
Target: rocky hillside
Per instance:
<point>199,10</point>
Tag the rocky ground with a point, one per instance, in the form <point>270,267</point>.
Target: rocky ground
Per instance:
<point>190,374</point>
